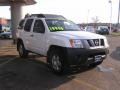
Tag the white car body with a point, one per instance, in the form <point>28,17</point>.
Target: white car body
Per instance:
<point>76,41</point>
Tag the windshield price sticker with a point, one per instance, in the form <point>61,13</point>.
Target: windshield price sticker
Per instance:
<point>56,28</point>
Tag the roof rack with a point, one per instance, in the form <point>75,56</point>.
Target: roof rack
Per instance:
<point>37,15</point>
<point>48,16</point>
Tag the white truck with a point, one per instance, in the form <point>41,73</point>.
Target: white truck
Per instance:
<point>61,41</point>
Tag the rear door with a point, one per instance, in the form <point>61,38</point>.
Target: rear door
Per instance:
<point>26,34</point>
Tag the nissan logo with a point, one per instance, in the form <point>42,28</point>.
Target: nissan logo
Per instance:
<point>96,42</point>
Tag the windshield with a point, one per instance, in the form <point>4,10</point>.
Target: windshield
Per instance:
<point>61,25</point>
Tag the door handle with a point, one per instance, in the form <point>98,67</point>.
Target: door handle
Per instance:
<point>32,35</point>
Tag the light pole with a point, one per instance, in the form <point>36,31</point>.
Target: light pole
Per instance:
<point>118,15</point>
<point>110,25</point>
<point>87,18</point>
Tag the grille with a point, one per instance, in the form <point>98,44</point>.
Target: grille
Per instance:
<point>102,42</point>
<point>95,42</point>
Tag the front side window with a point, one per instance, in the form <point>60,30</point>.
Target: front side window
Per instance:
<point>61,25</point>
<point>28,25</point>
<point>38,27</point>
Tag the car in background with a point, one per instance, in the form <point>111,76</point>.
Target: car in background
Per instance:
<point>103,31</point>
<point>6,34</point>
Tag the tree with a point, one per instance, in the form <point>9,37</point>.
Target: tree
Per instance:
<point>95,21</point>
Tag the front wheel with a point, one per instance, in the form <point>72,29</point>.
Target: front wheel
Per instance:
<point>56,61</point>
<point>21,49</point>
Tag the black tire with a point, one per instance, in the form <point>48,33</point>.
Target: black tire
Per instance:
<point>56,61</point>
<point>21,49</point>
<point>3,37</point>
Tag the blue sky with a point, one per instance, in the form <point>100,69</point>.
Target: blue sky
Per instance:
<point>79,11</point>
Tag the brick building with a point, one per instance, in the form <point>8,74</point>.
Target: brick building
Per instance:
<point>5,24</point>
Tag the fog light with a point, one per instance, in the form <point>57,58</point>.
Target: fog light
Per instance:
<point>103,56</point>
<point>90,59</point>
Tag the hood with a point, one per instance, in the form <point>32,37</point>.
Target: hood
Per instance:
<point>78,35</point>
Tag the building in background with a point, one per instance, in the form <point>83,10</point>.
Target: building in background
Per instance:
<point>5,24</point>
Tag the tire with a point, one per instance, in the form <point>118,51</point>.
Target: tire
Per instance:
<point>56,61</point>
<point>21,49</point>
<point>3,37</point>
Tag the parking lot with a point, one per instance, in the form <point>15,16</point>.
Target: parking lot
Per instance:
<point>33,74</point>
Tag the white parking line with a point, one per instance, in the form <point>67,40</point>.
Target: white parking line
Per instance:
<point>87,84</point>
<point>104,69</point>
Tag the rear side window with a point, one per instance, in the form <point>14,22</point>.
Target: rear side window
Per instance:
<point>39,27</point>
<point>28,25</point>
<point>21,24</point>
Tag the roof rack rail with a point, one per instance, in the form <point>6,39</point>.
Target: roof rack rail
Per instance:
<point>37,15</point>
<point>49,16</point>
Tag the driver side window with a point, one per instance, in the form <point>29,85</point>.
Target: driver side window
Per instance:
<point>38,27</point>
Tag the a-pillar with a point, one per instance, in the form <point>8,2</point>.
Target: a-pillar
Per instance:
<point>16,15</point>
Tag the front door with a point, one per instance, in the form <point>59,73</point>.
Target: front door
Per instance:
<point>38,37</point>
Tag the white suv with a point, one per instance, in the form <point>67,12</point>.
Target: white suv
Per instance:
<point>61,41</point>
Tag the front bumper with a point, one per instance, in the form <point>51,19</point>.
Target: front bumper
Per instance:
<point>80,56</point>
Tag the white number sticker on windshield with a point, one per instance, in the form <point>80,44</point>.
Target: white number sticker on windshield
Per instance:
<point>56,28</point>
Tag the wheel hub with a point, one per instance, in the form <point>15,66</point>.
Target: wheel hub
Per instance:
<point>56,64</point>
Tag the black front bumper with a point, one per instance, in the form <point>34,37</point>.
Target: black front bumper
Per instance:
<point>75,56</point>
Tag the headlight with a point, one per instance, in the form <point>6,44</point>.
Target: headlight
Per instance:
<point>76,43</point>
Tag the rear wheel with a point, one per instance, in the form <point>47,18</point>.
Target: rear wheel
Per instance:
<point>21,49</point>
<point>3,37</point>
